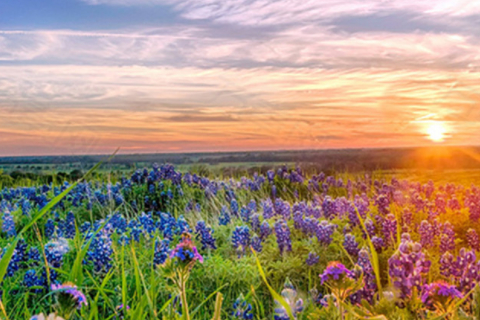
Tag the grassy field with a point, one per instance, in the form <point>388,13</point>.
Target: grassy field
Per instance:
<point>343,245</point>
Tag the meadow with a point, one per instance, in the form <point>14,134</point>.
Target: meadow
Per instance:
<point>195,243</point>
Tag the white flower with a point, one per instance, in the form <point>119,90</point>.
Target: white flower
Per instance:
<point>41,316</point>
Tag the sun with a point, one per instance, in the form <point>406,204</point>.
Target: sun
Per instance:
<point>436,131</point>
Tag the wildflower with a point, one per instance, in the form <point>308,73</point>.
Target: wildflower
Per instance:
<point>390,228</point>
<point>161,251</point>
<point>242,309</point>
<point>70,226</point>
<point>473,240</point>
<point>312,259</point>
<point>378,243</point>
<point>185,251</point>
<point>8,225</point>
<point>100,252</point>
<point>440,295</point>
<point>324,232</point>
<point>69,296</point>
<point>265,230</point>
<point>224,217</point>
<point>336,272</point>
<point>283,236</point>
<point>350,245</point>
<point>257,244</point>
<point>408,267</point>
<point>426,234</point>
<point>241,239</point>
<point>49,229</point>
<point>204,233</point>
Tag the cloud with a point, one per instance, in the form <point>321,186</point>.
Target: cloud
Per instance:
<point>268,12</point>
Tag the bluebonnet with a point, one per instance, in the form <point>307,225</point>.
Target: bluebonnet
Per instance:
<point>257,244</point>
<point>54,252</point>
<point>389,228</point>
<point>224,217</point>
<point>426,234</point>
<point>472,239</point>
<point>370,287</point>
<point>378,243</point>
<point>234,207</point>
<point>255,222</point>
<point>351,245</point>
<point>84,228</point>
<point>245,214</point>
<point>268,210</point>
<point>100,252</point>
<point>282,232</point>
<point>408,267</point>
<point>324,232</point>
<point>328,208</point>
<point>162,251</point>
<point>182,225</point>
<point>167,225</point>
<point>282,208</point>
<point>147,223</point>
<point>242,309</point>
<point>34,255</point>
<point>204,233</point>
<point>312,259</point>
<point>446,243</point>
<point>31,280</point>
<point>8,225</point>
<point>265,230</point>
<point>241,239</point>
<point>70,226</point>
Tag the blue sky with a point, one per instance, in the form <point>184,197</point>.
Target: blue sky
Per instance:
<point>88,76</point>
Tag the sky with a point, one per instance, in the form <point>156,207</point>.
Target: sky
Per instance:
<point>90,76</point>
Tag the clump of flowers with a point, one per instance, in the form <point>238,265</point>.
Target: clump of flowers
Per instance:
<point>341,281</point>
<point>186,252</point>
<point>440,296</point>
<point>408,267</point>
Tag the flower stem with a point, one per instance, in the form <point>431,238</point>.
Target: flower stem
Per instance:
<point>183,293</point>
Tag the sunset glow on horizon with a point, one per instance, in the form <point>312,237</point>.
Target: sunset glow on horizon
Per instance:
<point>215,75</point>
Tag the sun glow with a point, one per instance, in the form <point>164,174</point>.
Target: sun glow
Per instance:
<point>436,131</point>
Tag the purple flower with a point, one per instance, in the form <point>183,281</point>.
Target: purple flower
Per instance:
<point>439,292</point>
<point>335,271</point>
<point>390,228</point>
<point>72,291</point>
<point>473,240</point>
<point>283,236</point>
<point>312,259</point>
<point>426,234</point>
<point>350,245</point>
<point>185,251</point>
